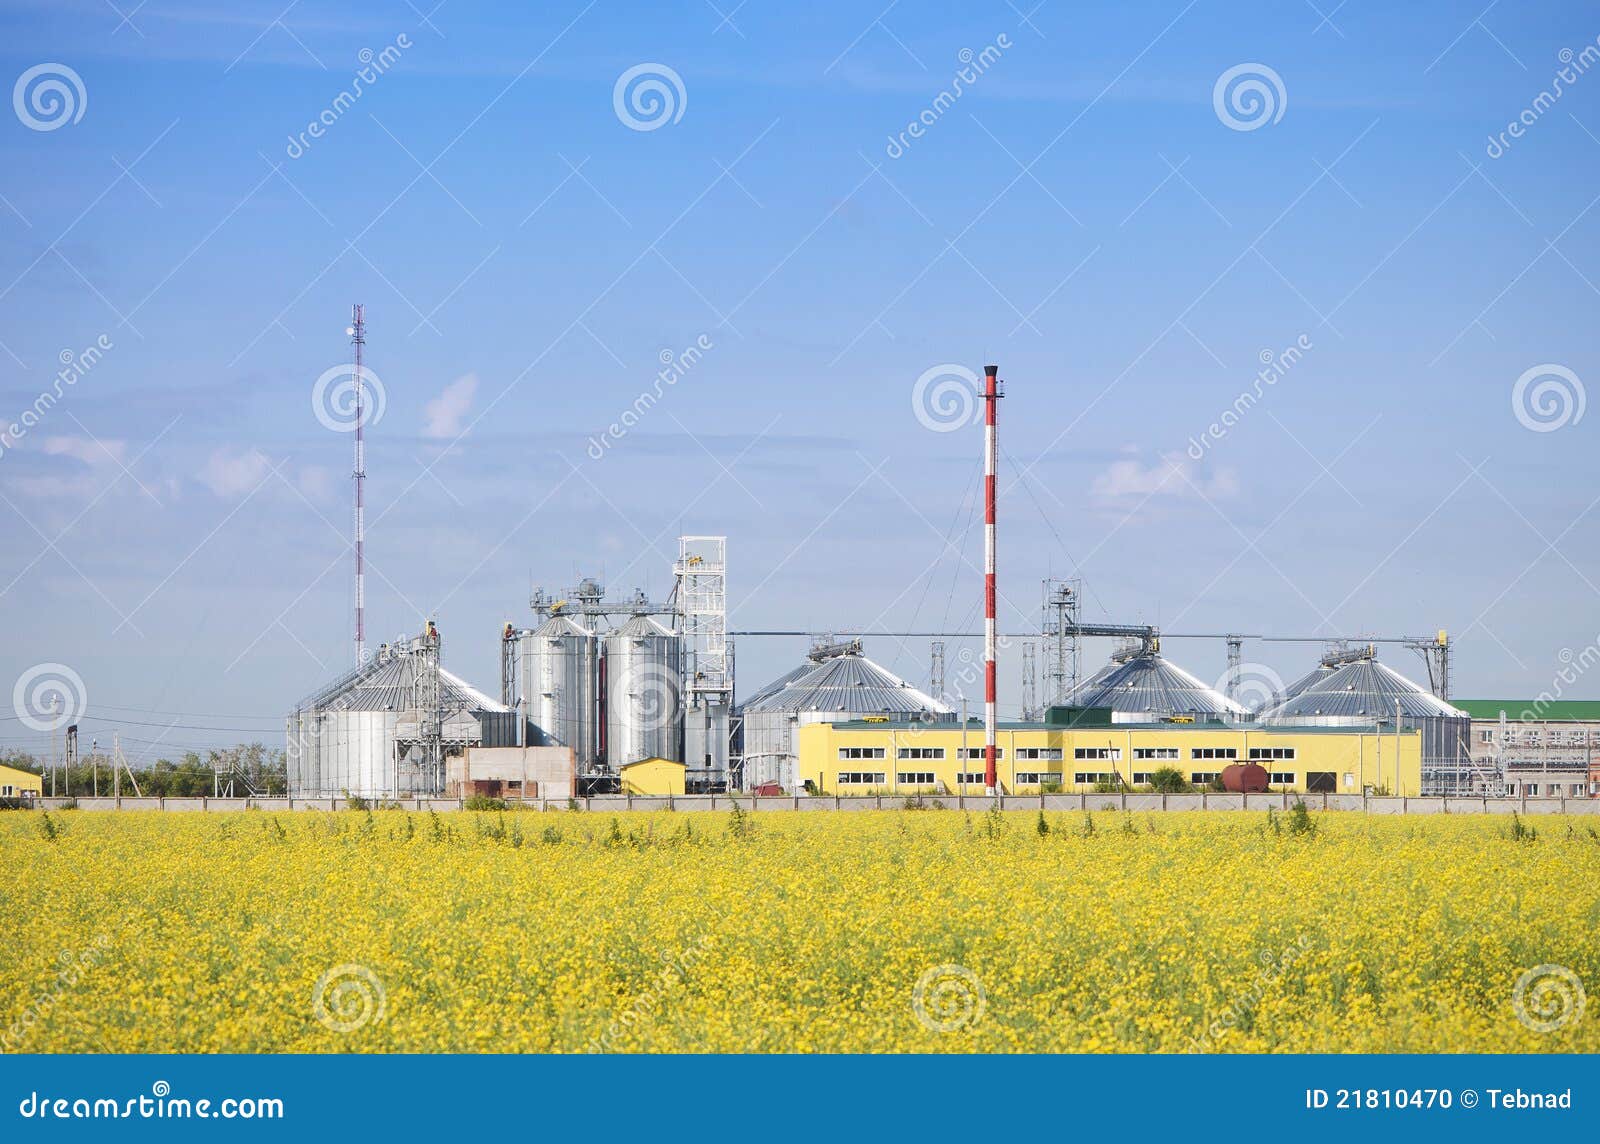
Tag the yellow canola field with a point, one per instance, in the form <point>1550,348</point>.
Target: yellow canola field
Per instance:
<point>874,931</point>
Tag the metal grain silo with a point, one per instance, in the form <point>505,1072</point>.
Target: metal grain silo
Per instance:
<point>644,689</point>
<point>560,661</point>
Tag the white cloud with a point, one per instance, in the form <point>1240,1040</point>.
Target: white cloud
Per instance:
<point>230,472</point>
<point>86,449</point>
<point>446,412</point>
<point>1174,475</point>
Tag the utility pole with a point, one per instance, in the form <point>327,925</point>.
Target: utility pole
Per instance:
<point>991,453</point>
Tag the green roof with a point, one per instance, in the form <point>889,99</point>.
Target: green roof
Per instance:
<point>1534,710</point>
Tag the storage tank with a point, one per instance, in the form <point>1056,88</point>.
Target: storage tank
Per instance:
<point>644,693</point>
<point>1145,687</point>
<point>560,679</point>
<point>357,734</point>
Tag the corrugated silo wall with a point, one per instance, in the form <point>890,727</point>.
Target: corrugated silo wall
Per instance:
<point>499,728</point>
<point>1446,747</point>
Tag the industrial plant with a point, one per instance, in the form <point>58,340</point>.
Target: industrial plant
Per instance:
<point>634,695</point>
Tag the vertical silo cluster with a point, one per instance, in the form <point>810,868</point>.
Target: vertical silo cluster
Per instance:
<point>614,698</point>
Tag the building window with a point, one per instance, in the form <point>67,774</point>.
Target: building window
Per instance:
<point>848,753</point>
<point>1201,778</point>
<point>6,792</point>
<point>972,753</point>
<point>1039,754</point>
<point>1089,778</point>
<point>860,778</point>
<point>1264,753</point>
<point>1213,752</point>
<point>1485,736</point>
<point>1155,752</point>
<point>921,752</point>
<point>1282,778</point>
<point>1511,788</point>
<point>1037,778</point>
<point>1575,790</point>
<point>974,778</point>
<point>1141,778</point>
<point>916,778</point>
<point>1107,753</point>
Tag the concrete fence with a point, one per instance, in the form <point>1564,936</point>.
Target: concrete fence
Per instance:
<point>1056,802</point>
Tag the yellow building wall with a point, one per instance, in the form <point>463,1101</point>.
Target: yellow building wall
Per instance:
<point>653,776</point>
<point>1358,760</point>
<point>13,782</point>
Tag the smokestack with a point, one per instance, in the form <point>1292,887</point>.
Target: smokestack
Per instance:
<point>991,400</point>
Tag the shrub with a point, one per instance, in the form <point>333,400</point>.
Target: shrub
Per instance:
<point>1300,820</point>
<point>355,802</point>
<point>1169,780</point>
<point>484,802</point>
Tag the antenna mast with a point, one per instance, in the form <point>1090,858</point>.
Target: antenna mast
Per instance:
<point>358,338</point>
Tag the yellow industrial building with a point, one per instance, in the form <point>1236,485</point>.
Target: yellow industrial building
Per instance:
<point>19,784</point>
<point>1085,750</point>
<point>653,776</point>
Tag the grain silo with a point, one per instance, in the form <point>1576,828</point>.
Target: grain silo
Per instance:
<point>384,729</point>
<point>1354,689</point>
<point>643,693</point>
<point>836,683</point>
<point>560,682</point>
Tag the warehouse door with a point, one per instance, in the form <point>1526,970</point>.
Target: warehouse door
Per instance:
<point>1321,782</point>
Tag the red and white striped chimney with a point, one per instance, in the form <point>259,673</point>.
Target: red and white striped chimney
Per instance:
<point>991,401</point>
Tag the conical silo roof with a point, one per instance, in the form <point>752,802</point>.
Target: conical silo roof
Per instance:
<point>849,683</point>
<point>1155,686</point>
<point>1363,691</point>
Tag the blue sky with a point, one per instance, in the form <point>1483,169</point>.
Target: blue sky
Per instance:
<point>1083,214</point>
